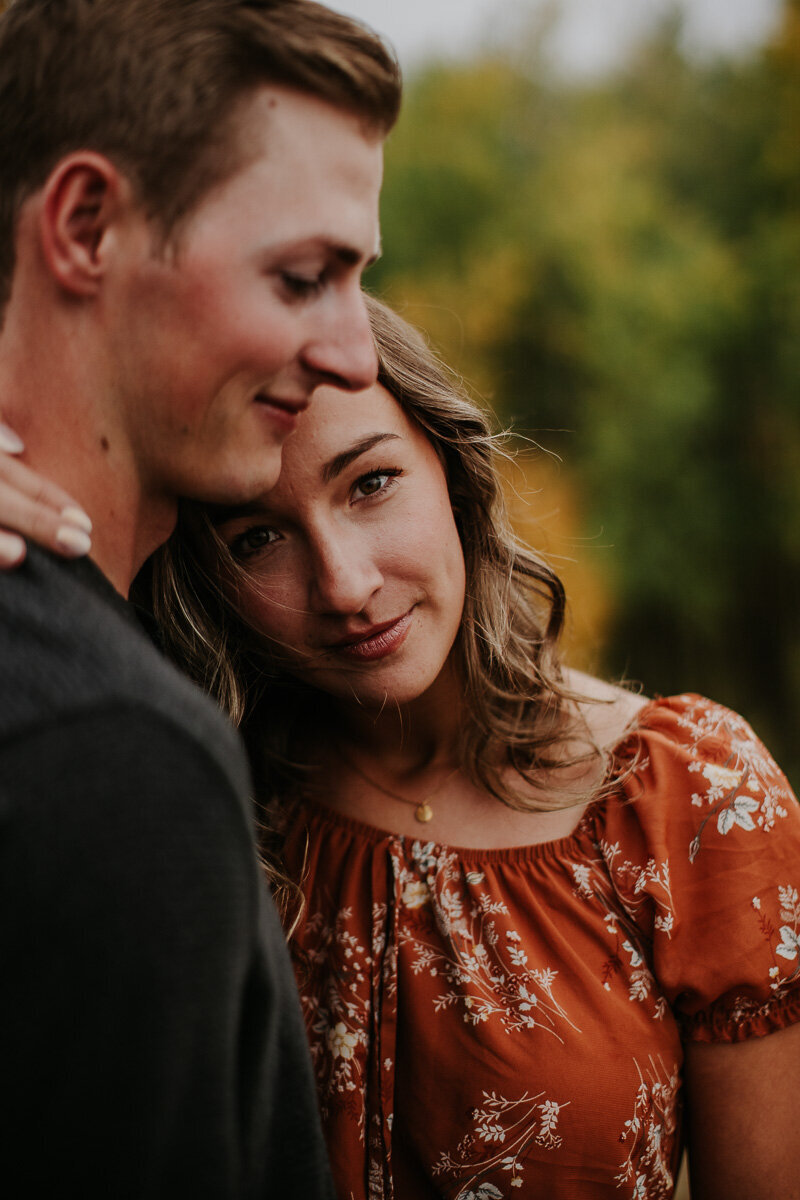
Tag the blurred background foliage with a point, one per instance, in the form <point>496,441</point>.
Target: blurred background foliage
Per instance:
<point>615,267</point>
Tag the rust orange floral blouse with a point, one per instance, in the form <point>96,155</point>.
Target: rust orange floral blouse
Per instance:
<point>508,1023</point>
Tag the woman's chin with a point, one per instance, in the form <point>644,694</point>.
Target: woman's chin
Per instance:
<point>373,698</point>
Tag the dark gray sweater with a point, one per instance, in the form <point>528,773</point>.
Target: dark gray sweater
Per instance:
<point>151,1043</point>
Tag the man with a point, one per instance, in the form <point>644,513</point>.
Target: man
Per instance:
<point>188,198</point>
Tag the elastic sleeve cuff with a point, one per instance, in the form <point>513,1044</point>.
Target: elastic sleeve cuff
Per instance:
<point>742,1018</point>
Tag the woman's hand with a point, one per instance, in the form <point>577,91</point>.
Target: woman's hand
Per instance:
<point>35,508</point>
<point>742,1118</point>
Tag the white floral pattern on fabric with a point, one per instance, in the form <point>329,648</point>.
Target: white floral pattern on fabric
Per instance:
<point>383,998</point>
<point>337,1020</point>
<point>784,943</point>
<point>502,1132</point>
<point>622,889</point>
<point>748,790</point>
<point>481,960</point>
<point>650,1134</point>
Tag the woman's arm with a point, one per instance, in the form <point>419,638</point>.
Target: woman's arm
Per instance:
<point>743,1110</point>
<point>35,508</point>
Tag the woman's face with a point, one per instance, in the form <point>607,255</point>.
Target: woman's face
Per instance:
<point>352,562</point>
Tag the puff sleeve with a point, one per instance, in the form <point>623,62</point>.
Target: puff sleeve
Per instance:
<point>704,849</point>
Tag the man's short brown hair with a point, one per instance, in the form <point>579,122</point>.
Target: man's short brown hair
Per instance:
<point>155,85</point>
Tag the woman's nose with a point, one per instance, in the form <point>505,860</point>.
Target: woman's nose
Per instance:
<point>345,577</point>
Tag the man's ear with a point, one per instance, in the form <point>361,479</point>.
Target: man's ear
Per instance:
<point>81,200</point>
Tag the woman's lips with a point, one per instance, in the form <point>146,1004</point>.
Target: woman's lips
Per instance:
<point>377,645</point>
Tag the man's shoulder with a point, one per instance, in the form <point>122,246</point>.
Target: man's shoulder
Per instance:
<point>69,644</point>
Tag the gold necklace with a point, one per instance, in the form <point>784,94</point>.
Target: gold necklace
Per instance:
<point>423,810</point>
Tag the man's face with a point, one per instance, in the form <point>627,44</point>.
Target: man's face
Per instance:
<point>217,347</point>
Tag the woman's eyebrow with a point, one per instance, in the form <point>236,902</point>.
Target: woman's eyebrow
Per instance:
<point>220,514</point>
<point>334,466</point>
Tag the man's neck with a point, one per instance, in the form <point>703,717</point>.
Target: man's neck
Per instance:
<point>71,439</point>
<point>120,549</point>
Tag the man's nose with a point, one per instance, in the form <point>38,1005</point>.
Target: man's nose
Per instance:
<point>342,352</point>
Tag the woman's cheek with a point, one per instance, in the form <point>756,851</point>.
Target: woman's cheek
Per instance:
<point>262,607</point>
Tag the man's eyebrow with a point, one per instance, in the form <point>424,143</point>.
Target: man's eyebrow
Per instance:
<point>352,257</point>
<point>334,466</point>
<point>346,254</point>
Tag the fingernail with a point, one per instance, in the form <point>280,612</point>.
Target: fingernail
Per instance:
<point>76,516</point>
<point>73,542</point>
<point>12,548</point>
<point>10,441</point>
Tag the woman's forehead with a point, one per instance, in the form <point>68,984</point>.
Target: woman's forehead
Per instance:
<point>336,419</point>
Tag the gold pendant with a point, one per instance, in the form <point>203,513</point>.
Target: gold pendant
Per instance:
<point>423,812</point>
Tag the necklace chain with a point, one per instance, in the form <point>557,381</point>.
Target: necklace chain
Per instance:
<point>423,809</point>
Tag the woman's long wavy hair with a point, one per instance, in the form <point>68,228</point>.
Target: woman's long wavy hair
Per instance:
<point>518,712</point>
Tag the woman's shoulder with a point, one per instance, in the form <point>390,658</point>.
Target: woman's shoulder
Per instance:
<point>609,711</point>
<point>693,774</point>
<point>687,735</point>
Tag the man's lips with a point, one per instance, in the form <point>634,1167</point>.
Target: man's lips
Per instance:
<point>376,642</point>
<point>282,410</point>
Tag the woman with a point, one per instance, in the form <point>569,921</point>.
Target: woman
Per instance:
<point>541,915</point>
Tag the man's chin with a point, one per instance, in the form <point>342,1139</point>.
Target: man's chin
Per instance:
<point>243,485</point>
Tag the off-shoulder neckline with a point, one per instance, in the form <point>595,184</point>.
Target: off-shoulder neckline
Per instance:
<point>552,849</point>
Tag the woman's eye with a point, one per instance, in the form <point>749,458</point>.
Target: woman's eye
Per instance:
<point>251,541</point>
<point>372,485</point>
